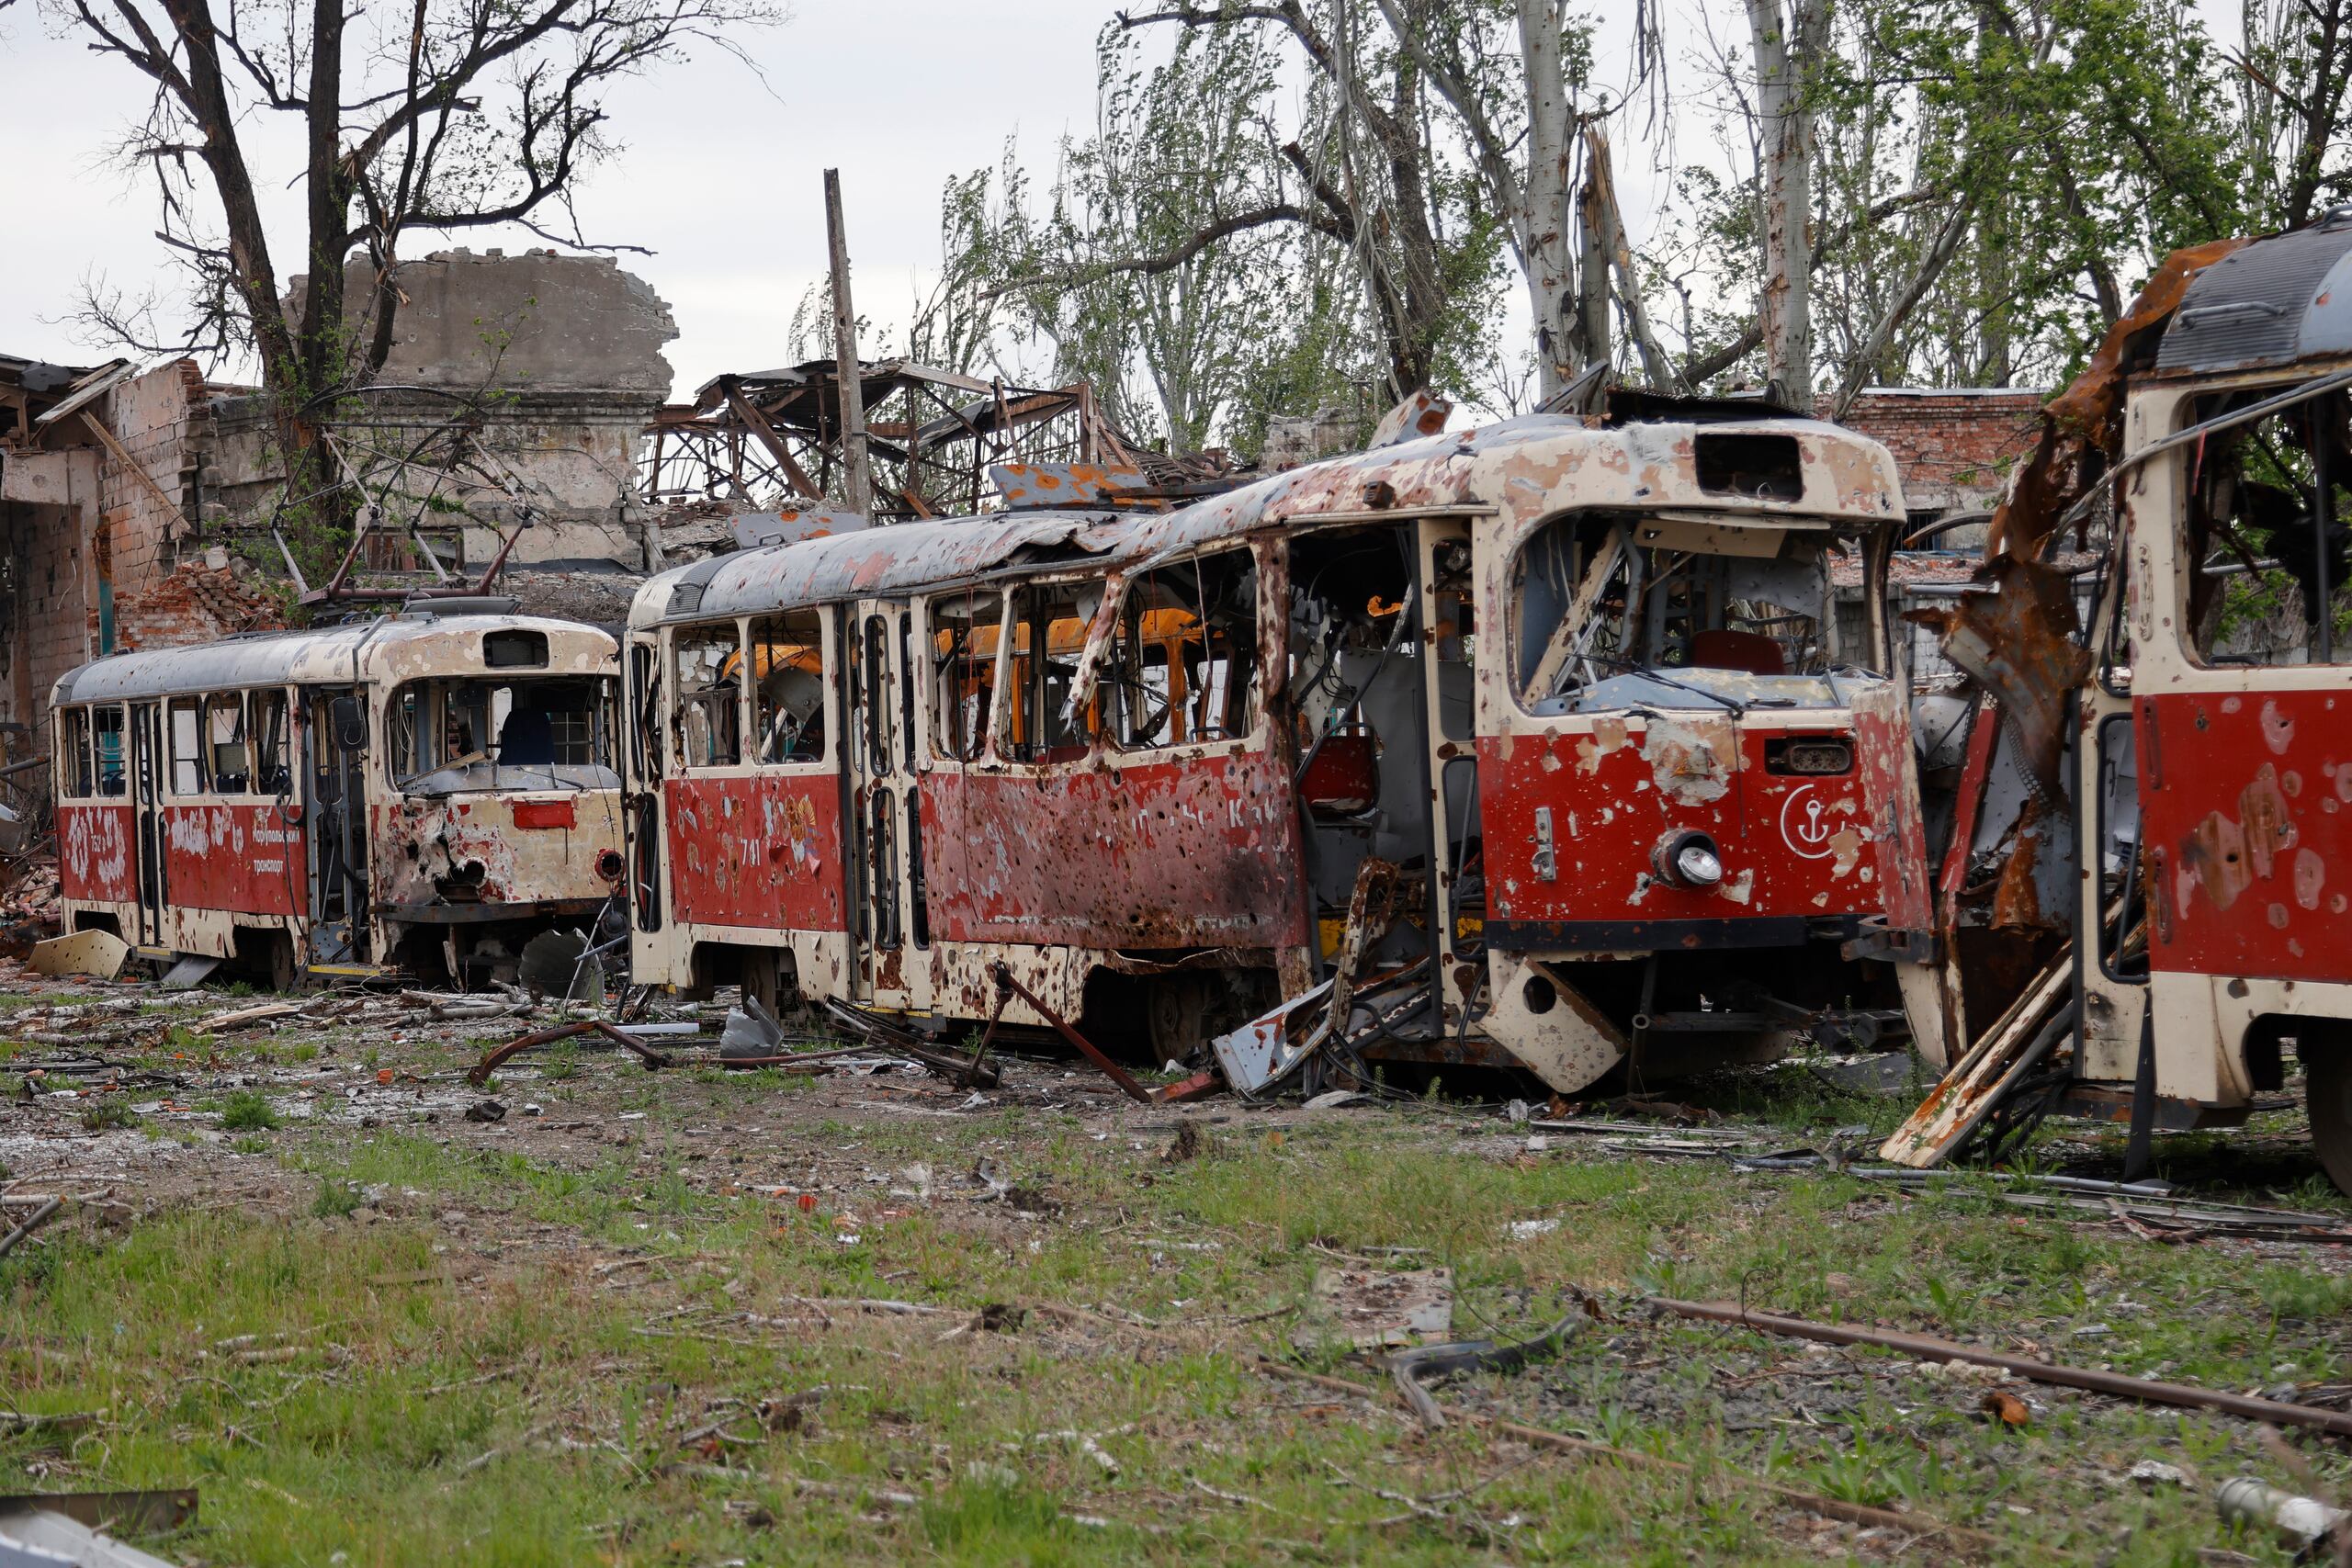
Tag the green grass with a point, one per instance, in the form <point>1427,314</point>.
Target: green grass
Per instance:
<point>248,1110</point>
<point>423,1343</point>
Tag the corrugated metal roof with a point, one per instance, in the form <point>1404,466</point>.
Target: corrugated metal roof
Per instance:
<point>2271,302</point>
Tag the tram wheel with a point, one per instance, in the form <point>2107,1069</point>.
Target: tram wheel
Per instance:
<point>2327,1097</point>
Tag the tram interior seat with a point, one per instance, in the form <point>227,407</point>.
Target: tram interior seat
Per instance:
<point>1751,651</point>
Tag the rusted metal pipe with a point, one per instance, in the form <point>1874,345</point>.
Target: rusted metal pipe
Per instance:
<point>500,1054</point>
<point>1927,1348</point>
<point>1111,1069</point>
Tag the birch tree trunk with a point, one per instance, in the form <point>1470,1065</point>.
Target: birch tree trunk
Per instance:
<point>1547,232</point>
<point>1784,41</point>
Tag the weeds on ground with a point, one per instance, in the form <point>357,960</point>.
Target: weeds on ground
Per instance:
<point>248,1110</point>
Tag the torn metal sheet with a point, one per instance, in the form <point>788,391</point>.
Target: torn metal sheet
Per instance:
<point>2019,641</point>
<point>45,1539</point>
<point>189,972</point>
<point>101,954</point>
<point>1029,487</point>
<point>757,530</point>
<point>1267,1050</point>
<point>1423,413</point>
<point>2087,417</point>
<point>1976,1084</point>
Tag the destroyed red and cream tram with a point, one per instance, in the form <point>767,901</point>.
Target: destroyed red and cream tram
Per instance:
<point>1540,743</point>
<point>423,792</point>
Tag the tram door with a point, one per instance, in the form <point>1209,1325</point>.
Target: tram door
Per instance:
<point>892,925</point>
<point>337,809</point>
<point>147,767</point>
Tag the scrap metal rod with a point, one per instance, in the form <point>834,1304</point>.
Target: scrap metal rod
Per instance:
<point>898,1042</point>
<point>1006,982</point>
<point>482,1069</point>
<point>1927,1348</point>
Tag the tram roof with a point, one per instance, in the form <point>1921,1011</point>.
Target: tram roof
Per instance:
<point>1529,468</point>
<point>417,643</point>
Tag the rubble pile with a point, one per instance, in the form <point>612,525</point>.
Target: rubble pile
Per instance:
<point>28,904</point>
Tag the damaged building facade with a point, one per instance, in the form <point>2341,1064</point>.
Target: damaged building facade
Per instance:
<point>137,506</point>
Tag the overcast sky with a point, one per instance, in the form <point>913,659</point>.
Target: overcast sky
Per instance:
<point>721,177</point>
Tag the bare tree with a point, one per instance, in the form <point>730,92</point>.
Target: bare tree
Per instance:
<point>1787,38</point>
<point>442,115</point>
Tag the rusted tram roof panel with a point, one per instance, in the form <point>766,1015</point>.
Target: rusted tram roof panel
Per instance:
<point>877,562</point>
<point>1530,468</point>
<point>395,644</point>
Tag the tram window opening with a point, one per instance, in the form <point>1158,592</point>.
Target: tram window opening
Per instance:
<point>708,667</point>
<point>461,734</point>
<point>2266,532</point>
<point>964,631</point>
<point>515,651</point>
<point>75,778</point>
<point>1048,635</point>
<point>409,724</point>
<point>918,900</point>
<point>1182,662</point>
<point>185,731</point>
<point>788,700</point>
<point>107,749</point>
<point>873,706</point>
<point>228,759</point>
<point>1639,600</point>
<point>269,771</point>
<point>882,844</point>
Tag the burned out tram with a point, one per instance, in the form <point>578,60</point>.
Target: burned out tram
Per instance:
<point>1535,746</point>
<point>419,794</point>
<point>2213,923</point>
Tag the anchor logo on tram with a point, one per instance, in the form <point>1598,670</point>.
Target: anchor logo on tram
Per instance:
<point>1807,838</point>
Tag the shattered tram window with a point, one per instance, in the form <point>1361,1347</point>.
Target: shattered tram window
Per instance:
<point>106,735</point>
<point>1048,635</point>
<point>964,636</point>
<point>1182,662</point>
<point>2266,527</point>
<point>1597,598</point>
<point>468,734</point>
<point>709,668</point>
<point>788,699</point>
<point>227,756</point>
<point>74,778</point>
<point>270,776</point>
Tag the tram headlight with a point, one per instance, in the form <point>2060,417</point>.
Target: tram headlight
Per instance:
<point>1689,859</point>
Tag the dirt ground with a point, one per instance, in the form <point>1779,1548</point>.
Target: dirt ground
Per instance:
<point>710,1317</point>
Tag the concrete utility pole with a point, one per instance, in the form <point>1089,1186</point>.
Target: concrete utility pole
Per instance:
<point>856,466</point>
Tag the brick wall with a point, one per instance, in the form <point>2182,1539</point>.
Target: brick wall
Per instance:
<point>151,415</point>
<point>200,601</point>
<point>1955,447</point>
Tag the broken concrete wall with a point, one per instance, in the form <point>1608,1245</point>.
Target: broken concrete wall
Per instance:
<point>555,362</point>
<point>47,505</point>
<point>1292,439</point>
